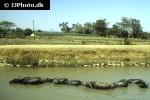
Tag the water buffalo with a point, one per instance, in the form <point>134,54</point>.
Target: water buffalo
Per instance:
<point>90,84</point>
<point>143,85</point>
<point>74,82</point>
<point>28,80</point>
<point>15,80</point>
<point>136,81</point>
<point>122,83</point>
<point>48,79</point>
<point>99,85</point>
<point>139,82</point>
<point>60,81</point>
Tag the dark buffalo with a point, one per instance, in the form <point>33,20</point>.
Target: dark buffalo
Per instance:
<point>136,81</point>
<point>48,79</point>
<point>28,80</point>
<point>90,84</point>
<point>139,82</point>
<point>60,81</point>
<point>74,82</point>
<point>100,85</point>
<point>15,80</point>
<point>32,80</point>
<point>122,83</point>
<point>143,85</point>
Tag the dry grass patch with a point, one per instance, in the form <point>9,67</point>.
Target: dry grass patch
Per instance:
<point>73,55</point>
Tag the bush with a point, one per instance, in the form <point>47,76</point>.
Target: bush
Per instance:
<point>23,61</point>
<point>19,33</point>
<point>83,42</point>
<point>127,41</point>
<point>27,32</point>
<point>127,59</point>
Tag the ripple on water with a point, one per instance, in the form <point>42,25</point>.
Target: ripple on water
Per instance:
<point>60,92</point>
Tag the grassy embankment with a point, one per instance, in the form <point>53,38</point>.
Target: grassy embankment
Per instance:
<point>75,55</point>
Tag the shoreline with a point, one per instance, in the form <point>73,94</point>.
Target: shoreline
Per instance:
<point>75,55</point>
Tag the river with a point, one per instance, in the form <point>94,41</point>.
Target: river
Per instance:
<point>50,91</point>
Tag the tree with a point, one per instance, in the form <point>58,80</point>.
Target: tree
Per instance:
<point>124,34</point>
<point>19,33</point>
<point>116,31</point>
<point>136,28</point>
<point>5,27</point>
<point>13,33</point>
<point>39,30</point>
<point>77,28</point>
<point>28,32</point>
<point>100,27</point>
<point>88,28</point>
<point>125,24</point>
<point>64,27</point>
<point>132,26</point>
<point>1,32</point>
<point>145,35</point>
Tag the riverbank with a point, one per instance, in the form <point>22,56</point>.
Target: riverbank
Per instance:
<point>74,55</point>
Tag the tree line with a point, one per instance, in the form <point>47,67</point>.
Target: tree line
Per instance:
<point>7,30</point>
<point>127,27</point>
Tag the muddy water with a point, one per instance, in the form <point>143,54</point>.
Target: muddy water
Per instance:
<point>65,92</point>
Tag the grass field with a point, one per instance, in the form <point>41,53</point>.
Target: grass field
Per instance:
<point>73,50</point>
<point>70,39</point>
<point>75,55</point>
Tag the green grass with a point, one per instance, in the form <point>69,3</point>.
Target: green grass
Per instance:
<point>45,38</point>
<point>72,50</point>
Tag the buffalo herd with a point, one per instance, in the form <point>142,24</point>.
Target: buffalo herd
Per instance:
<point>91,84</point>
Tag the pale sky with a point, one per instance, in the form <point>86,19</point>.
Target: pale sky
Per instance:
<point>80,11</point>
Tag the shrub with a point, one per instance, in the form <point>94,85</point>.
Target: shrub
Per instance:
<point>23,61</point>
<point>27,32</point>
<point>127,59</point>
<point>83,42</point>
<point>127,41</point>
<point>119,42</point>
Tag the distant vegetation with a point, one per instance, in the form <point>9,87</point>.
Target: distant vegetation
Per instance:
<point>7,30</point>
<point>48,38</point>
<point>126,32</point>
<point>126,28</point>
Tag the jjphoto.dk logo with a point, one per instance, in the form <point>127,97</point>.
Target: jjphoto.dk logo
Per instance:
<point>25,5</point>
<point>15,5</point>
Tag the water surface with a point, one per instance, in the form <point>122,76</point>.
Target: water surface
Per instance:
<point>64,92</point>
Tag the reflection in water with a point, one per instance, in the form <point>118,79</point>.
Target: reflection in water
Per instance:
<point>51,91</point>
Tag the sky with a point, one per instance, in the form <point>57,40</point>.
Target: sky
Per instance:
<point>80,11</point>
